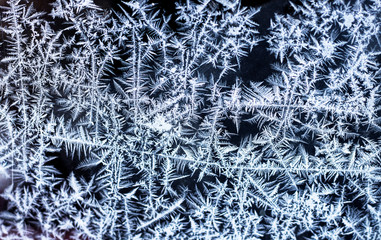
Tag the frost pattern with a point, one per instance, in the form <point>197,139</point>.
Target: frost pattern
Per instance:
<point>147,110</point>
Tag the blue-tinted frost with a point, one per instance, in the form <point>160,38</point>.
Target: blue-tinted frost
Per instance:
<point>133,124</point>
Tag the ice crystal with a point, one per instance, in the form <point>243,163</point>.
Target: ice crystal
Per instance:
<point>134,123</point>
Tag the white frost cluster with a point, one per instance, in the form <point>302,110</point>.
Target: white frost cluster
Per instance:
<point>133,124</point>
